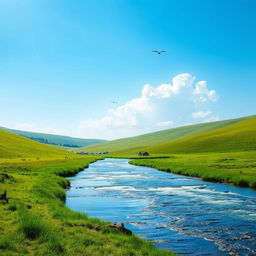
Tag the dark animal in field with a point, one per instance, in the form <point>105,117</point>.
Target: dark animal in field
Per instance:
<point>143,154</point>
<point>4,196</point>
<point>121,228</point>
<point>158,52</point>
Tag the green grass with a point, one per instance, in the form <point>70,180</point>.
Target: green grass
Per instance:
<point>13,146</point>
<point>238,168</point>
<point>139,143</point>
<point>53,139</point>
<point>240,136</point>
<point>36,220</point>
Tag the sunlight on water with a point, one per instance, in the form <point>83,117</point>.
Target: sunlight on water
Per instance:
<point>187,215</point>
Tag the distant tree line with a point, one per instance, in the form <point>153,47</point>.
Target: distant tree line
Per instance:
<point>45,141</point>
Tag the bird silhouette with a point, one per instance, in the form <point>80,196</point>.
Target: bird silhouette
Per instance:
<point>158,52</point>
<point>114,102</point>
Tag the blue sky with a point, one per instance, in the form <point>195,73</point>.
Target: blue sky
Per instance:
<point>63,62</point>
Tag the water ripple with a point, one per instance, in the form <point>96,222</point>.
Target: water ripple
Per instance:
<point>187,215</point>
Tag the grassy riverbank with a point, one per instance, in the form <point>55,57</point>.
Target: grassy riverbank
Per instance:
<point>238,168</point>
<point>37,222</point>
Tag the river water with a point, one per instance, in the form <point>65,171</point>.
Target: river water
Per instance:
<point>183,214</point>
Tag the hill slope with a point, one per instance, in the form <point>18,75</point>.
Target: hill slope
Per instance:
<point>16,146</point>
<point>240,136</point>
<point>53,139</point>
<point>135,144</point>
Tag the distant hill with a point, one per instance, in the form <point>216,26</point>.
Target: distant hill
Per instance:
<point>240,136</point>
<point>139,143</point>
<point>16,146</point>
<point>57,140</point>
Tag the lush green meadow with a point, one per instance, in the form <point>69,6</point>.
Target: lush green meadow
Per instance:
<point>143,142</point>
<point>36,220</point>
<point>54,139</point>
<point>14,147</point>
<point>240,136</point>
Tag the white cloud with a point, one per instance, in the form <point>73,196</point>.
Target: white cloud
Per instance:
<point>201,114</point>
<point>203,94</point>
<point>206,116</point>
<point>180,81</point>
<point>212,119</point>
<point>121,116</point>
<point>139,114</point>
<point>165,123</point>
<point>34,128</point>
<point>127,114</point>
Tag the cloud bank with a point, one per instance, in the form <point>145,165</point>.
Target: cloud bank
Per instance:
<point>141,114</point>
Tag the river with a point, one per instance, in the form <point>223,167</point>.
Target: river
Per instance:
<point>183,214</point>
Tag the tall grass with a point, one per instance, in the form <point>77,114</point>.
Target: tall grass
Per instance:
<point>43,225</point>
<point>34,228</point>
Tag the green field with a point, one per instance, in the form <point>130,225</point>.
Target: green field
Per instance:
<point>13,146</point>
<point>222,151</point>
<point>36,220</point>
<point>240,136</point>
<point>58,140</point>
<point>139,143</point>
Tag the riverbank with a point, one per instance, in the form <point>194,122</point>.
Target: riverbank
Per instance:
<point>37,222</point>
<point>184,214</point>
<point>236,168</point>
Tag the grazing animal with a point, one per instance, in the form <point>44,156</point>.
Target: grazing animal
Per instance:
<point>4,196</point>
<point>158,52</point>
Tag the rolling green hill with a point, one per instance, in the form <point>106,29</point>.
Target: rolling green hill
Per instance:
<point>240,136</point>
<point>53,139</point>
<point>138,143</point>
<point>16,146</point>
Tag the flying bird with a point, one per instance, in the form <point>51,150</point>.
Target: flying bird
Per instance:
<point>158,52</point>
<point>114,102</point>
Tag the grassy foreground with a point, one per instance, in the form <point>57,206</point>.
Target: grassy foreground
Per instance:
<point>238,168</point>
<point>37,222</point>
